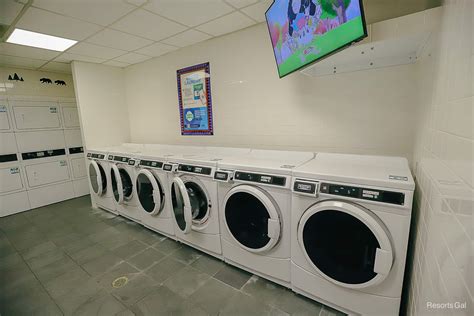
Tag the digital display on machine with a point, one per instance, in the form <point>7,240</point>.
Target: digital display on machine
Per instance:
<point>304,187</point>
<point>111,157</point>
<point>168,167</point>
<point>260,178</point>
<point>8,158</point>
<point>96,156</point>
<point>43,154</point>
<point>151,164</point>
<point>195,169</point>
<point>305,31</point>
<point>76,150</point>
<point>220,175</point>
<point>131,162</point>
<point>364,193</point>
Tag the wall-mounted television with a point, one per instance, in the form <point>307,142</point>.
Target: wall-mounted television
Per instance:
<point>305,31</point>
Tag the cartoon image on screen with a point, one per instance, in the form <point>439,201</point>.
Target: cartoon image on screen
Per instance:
<point>303,31</point>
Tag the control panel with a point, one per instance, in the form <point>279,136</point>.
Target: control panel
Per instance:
<point>96,156</point>
<point>8,158</point>
<point>170,167</point>
<point>195,169</point>
<point>76,150</point>
<point>260,178</point>
<point>121,159</point>
<point>363,193</point>
<point>43,154</point>
<point>151,164</point>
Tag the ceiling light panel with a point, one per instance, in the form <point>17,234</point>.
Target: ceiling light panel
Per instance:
<point>39,40</point>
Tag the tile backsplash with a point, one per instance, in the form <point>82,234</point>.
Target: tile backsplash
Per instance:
<point>440,280</point>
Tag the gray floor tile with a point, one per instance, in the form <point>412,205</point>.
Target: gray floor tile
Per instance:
<point>66,282</point>
<point>242,304</point>
<point>165,269</point>
<point>213,296</point>
<point>146,258</point>
<point>147,236</point>
<point>233,276</point>
<point>28,302</point>
<point>84,293</point>
<point>208,264</point>
<point>186,254</point>
<point>23,244</point>
<point>45,258</point>
<point>87,254</point>
<point>16,276</point>
<point>38,250</point>
<point>135,289</point>
<point>162,301</point>
<point>55,269</point>
<point>101,264</point>
<point>121,270</point>
<point>129,249</point>
<point>167,245</point>
<point>187,281</point>
<point>328,311</point>
<point>9,260</point>
<point>77,244</point>
<point>102,305</point>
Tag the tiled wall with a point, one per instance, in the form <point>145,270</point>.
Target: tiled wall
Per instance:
<point>441,257</point>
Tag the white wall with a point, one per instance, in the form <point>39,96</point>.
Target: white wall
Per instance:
<point>443,224</point>
<point>102,104</point>
<point>361,112</point>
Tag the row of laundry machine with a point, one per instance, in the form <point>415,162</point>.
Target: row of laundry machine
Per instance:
<point>41,154</point>
<point>332,227</point>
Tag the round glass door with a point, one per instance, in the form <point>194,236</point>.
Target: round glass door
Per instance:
<point>252,218</point>
<point>345,243</point>
<point>149,192</point>
<point>127,184</point>
<point>117,188</point>
<point>97,178</point>
<point>181,205</point>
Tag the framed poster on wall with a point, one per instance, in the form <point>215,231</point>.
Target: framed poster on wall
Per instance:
<point>195,102</point>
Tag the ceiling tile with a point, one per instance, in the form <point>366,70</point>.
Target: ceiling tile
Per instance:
<point>93,50</point>
<point>226,24</point>
<point>9,11</point>
<point>116,64</point>
<point>27,52</point>
<point>132,58</point>
<point>54,24</point>
<point>187,38</point>
<point>68,57</point>
<point>190,13</point>
<point>59,67</point>
<point>14,61</point>
<point>257,11</point>
<point>119,40</point>
<point>240,3</point>
<point>147,24</point>
<point>103,12</point>
<point>156,49</point>
<point>136,2</point>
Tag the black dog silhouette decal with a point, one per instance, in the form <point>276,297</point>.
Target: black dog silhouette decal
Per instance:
<point>60,83</point>
<point>46,80</point>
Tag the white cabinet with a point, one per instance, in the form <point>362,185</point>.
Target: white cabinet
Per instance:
<point>4,118</point>
<point>73,138</point>
<point>36,117</point>
<point>70,117</point>
<point>7,144</point>
<point>40,140</point>
<point>10,179</point>
<point>47,173</point>
<point>78,167</point>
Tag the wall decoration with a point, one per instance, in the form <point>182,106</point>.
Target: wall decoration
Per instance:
<point>60,83</point>
<point>15,77</point>
<point>195,103</point>
<point>46,80</point>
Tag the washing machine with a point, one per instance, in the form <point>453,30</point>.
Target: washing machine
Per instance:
<point>193,193</point>
<point>350,225</point>
<point>123,161</point>
<point>254,208</point>
<point>98,169</point>
<point>152,186</point>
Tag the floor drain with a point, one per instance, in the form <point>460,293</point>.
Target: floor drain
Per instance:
<point>119,282</point>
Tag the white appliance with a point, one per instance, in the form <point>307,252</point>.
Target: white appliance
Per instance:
<point>350,225</point>
<point>254,209</point>
<point>98,169</point>
<point>76,161</point>
<point>123,161</point>
<point>46,167</point>
<point>5,121</point>
<point>35,115</point>
<point>194,200</point>
<point>70,115</point>
<point>13,196</point>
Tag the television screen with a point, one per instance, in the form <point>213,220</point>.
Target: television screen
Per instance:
<point>304,31</point>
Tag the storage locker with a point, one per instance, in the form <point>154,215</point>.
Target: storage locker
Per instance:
<point>70,117</point>
<point>37,116</point>
<point>5,124</point>
<point>48,172</point>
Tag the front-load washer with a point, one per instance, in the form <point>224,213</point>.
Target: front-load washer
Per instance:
<point>254,209</point>
<point>123,162</point>
<point>194,200</point>
<point>350,225</point>
<point>98,169</point>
